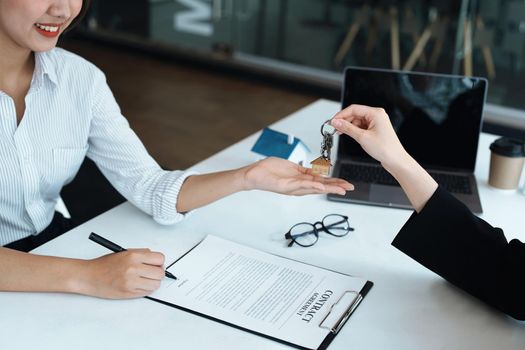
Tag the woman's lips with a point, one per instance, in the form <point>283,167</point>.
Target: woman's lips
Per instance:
<point>49,30</point>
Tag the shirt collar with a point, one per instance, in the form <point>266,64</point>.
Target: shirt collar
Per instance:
<point>45,66</point>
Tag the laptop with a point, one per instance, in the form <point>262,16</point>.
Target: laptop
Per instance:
<point>437,118</point>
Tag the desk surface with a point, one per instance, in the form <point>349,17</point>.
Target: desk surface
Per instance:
<point>408,308</point>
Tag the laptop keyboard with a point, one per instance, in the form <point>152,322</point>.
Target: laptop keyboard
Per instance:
<point>378,175</point>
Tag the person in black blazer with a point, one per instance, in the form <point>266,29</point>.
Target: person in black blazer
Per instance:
<point>442,234</point>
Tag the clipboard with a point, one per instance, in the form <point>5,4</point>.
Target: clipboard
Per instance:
<point>339,311</point>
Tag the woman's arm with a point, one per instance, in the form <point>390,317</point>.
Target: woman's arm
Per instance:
<point>129,274</point>
<point>271,174</point>
<point>448,239</point>
<point>124,161</point>
<point>443,234</point>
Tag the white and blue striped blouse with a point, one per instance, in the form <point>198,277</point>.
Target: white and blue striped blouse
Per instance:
<point>70,113</point>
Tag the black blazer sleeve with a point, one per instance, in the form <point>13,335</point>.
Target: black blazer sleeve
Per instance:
<point>448,239</point>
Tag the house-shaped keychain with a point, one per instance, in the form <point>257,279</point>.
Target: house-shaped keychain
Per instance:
<point>321,166</point>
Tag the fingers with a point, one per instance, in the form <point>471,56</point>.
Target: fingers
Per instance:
<point>147,285</point>
<point>146,256</point>
<point>359,112</point>
<point>348,128</point>
<point>145,280</point>
<point>356,119</point>
<point>304,192</point>
<point>328,189</point>
<point>149,266</point>
<point>321,185</point>
<point>331,181</point>
<point>311,184</point>
<point>339,183</point>
<point>338,186</point>
<point>303,185</point>
<point>154,258</point>
<point>151,272</point>
<point>129,274</point>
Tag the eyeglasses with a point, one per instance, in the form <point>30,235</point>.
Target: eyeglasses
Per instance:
<point>306,234</point>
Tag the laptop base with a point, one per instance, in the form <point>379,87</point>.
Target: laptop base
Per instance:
<point>392,195</point>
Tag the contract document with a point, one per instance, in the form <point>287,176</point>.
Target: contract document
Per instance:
<point>291,302</point>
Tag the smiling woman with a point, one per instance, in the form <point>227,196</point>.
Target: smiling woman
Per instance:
<point>27,22</point>
<point>56,108</point>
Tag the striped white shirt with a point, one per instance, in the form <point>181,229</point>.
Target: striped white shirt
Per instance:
<point>70,113</point>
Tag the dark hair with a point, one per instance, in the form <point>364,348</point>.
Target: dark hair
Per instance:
<point>78,19</point>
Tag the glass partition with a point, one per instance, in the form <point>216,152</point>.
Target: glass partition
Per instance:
<point>470,37</point>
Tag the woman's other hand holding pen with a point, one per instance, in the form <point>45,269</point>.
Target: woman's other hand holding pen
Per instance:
<point>129,274</point>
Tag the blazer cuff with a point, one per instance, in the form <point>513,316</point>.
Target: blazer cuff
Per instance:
<point>416,230</point>
<point>445,227</point>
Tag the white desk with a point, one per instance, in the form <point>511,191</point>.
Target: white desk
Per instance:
<point>408,308</point>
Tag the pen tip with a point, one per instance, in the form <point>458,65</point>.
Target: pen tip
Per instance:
<point>170,275</point>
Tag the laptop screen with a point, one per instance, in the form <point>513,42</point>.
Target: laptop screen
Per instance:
<point>437,117</point>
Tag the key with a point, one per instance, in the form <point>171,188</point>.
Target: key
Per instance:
<point>326,147</point>
<point>321,166</point>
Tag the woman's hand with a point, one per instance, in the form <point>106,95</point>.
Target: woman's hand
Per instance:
<point>372,129</point>
<point>282,176</point>
<point>129,274</point>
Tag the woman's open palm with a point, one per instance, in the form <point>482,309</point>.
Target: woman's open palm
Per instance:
<point>282,176</point>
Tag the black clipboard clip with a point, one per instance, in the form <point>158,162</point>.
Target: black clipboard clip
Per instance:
<point>337,320</point>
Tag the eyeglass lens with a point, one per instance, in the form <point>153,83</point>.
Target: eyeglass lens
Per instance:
<point>336,225</point>
<point>304,234</point>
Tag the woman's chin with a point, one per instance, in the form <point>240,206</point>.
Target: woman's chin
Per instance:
<point>41,46</point>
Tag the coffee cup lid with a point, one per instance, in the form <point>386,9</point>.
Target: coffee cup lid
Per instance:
<point>508,147</point>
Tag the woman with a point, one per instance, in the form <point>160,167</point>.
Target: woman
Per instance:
<point>56,108</point>
<point>442,234</point>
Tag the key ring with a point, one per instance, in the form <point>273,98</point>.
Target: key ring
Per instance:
<point>327,133</point>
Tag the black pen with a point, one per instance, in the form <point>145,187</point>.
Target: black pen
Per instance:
<point>116,248</point>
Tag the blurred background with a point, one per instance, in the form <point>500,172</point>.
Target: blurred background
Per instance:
<point>195,76</point>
